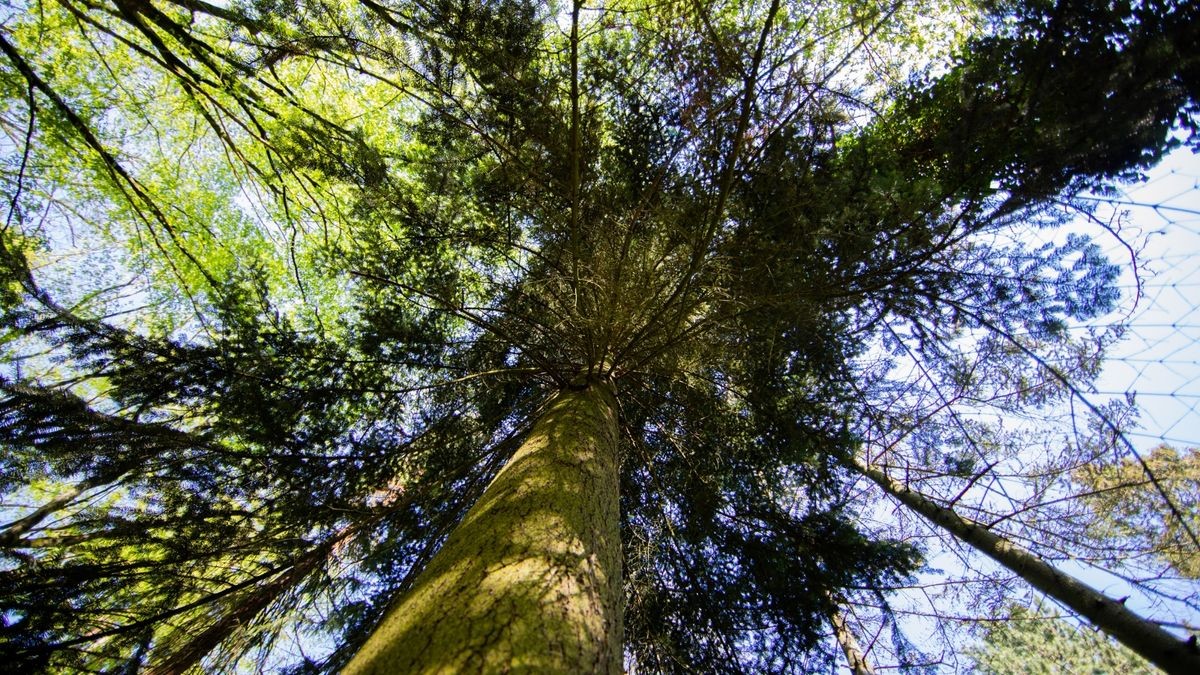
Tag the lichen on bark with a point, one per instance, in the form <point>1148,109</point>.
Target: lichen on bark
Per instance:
<point>530,580</point>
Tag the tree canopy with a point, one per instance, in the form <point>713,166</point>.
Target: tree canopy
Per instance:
<point>1033,643</point>
<point>286,284</point>
<point>1128,509</point>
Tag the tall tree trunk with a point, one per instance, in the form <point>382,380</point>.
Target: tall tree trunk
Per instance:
<point>530,580</point>
<point>855,658</point>
<point>1111,616</point>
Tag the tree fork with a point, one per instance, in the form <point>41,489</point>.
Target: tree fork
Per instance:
<point>1109,615</point>
<point>530,580</point>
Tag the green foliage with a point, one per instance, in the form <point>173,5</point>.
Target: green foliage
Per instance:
<point>1031,640</point>
<point>285,283</point>
<point>1127,508</point>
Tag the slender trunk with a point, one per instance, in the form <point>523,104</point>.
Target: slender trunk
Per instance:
<point>1111,616</point>
<point>246,608</point>
<point>242,614</point>
<point>52,542</point>
<point>854,655</point>
<point>530,580</point>
<point>10,533</point>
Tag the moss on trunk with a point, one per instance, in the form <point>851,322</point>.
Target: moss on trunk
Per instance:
<point>530,580</point>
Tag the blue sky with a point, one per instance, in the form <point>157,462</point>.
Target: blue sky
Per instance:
<point>1159,360</point>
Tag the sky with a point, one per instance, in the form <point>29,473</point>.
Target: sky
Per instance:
<point>1158,362</point>
<point>1159,359</point>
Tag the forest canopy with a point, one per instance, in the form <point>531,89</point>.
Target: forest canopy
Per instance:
<point>571,337</point>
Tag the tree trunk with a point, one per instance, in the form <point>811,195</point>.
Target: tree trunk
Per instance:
<point>11,533</point>
<point>530,580</point>
<point>854,655</point>
<point>1111,616</point>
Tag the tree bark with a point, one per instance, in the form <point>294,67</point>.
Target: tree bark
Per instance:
<point>530,580</point>
<point>1109,615</point>
<point>855,658</point>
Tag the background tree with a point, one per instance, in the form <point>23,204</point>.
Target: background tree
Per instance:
<point>1126,506</point>
<point>1032,640</point>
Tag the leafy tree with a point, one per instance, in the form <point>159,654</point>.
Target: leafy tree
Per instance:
<point>1030,640</point>
<point>1126,505</point>
<point>477,335</point>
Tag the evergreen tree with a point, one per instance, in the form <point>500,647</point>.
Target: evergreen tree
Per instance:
<point>485,335</point>
<point>1032,640</point>
<point>1128,514</point>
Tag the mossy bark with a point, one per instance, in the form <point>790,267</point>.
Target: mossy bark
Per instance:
<point>530,581</point>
